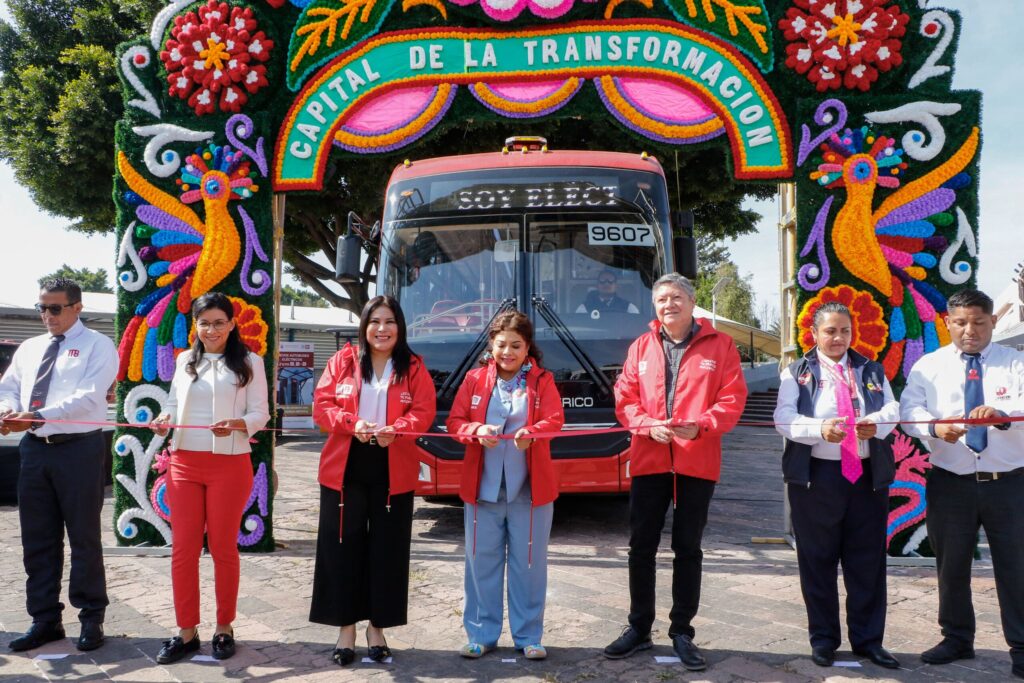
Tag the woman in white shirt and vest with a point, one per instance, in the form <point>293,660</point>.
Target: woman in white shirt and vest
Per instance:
<point>222,386</point>
<point>835,409</point>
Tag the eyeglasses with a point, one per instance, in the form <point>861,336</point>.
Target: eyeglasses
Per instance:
<point>606,282</point>
<point>216,326</point>
<point>52,309</point>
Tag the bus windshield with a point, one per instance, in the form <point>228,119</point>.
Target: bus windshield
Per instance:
<point>576,249</point>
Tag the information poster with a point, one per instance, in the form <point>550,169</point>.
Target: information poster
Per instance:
<point>295,384</point>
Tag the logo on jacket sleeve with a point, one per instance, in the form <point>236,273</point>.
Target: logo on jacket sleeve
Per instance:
<point>406,397</point>
<point>642,367</point>
<point>476,401</point>
<point>708,364</point>
<point>344,390</point>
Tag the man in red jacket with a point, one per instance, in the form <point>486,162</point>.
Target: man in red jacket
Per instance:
<point>681,389</point>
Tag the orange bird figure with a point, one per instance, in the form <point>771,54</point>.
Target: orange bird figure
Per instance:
<point>187,256</point>
<point>893,248</point>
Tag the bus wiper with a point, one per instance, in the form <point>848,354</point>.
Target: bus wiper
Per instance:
<point>455,377</point>
<point>563,332</point>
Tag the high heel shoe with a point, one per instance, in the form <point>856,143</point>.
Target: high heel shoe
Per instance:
<point>377,653</point>
<point>343,656</point>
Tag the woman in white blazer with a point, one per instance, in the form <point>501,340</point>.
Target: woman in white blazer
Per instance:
<point>221,385</point>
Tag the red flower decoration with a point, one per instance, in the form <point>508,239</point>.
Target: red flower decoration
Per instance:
<point>843,42</point>
<point>870,333</point>
<point>214,59</point>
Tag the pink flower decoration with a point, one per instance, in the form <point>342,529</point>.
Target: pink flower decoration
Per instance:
<point>843,42</point>
<point>507,10</point>
<point>213,58</point>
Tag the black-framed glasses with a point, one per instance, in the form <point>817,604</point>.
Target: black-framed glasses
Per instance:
<point>52,309</point>
<point>606,282</point>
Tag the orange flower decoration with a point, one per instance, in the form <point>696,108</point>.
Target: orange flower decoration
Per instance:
<point>870,333</point>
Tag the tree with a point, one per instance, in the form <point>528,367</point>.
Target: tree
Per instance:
<point>88,280</point>
<point>735,300</point>
<point>60,97</point>
<point>301,297</point>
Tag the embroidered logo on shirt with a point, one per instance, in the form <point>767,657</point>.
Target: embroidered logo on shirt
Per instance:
<point>476,401</point>
<point>708,364</point>
<point>406,397</point>
<point>73,353</point>
<point>1002,393</point>
<point>642,367</point>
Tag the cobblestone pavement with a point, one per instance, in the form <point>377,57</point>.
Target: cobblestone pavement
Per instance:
<point>751,624</point>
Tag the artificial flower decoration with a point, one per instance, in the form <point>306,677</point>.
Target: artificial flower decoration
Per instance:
<point>843,43</point>
<point>870,332</point>
<point>214,57</point>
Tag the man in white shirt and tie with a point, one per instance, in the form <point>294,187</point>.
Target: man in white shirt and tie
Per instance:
<point>56,381</point>
<point>977,475</point>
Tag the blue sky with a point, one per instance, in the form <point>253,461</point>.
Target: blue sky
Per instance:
<point>984,62</point>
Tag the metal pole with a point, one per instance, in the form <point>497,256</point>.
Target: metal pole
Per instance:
<point>278,212</point>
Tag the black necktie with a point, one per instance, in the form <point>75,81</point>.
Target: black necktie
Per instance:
<point>974,396</point>
<point>45,374</point>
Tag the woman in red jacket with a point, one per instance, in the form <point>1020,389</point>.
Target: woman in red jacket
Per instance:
<point>366,399</point>
<point>508,485</point>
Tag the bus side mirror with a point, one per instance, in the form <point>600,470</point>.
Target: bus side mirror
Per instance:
<point>684,246</point>
<point>350,254</point>
<point>684,250</point>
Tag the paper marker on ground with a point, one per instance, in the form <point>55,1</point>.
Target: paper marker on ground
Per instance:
<point>52,655</point>
<point>667,660</point>
<point>510,660</point>
<point>203,658</point>
<point>848,665</point>
<point>367,660</point>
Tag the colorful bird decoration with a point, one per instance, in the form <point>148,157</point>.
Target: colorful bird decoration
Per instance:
<point>896,247</point>
<point>186,255</point>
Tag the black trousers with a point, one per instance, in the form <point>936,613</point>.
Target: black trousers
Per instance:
<point>650,496</point>
<point>957,508</point>
<point>61,487</point>
<point>837,523</point>
<point>365,576</point>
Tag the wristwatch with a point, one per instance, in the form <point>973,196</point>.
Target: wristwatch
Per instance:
<point>36,415</point>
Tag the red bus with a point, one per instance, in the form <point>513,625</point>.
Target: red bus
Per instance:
<point>573,238</point>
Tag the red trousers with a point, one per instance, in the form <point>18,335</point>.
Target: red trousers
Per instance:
<point>206,491</point>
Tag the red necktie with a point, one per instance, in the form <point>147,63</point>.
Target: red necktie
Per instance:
<point>851,464</point>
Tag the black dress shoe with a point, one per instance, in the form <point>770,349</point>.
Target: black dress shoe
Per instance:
<point>223,645</point>
<point>379,653</point>
<point>176,648</point>
<point>39,633</point>
<point>688,653</point>
<point>626,644</point>
<point>948,650</point>
<point>1018,670</point>
<point>823,656</point>
<point>343,656</point>
<point>91,636</point>
<point>879,655</point>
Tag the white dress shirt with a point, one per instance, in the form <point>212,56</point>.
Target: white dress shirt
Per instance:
<point>221,399</point>
<point>373,397</point>
<point>935,389</point>
<point>85,369</point>
<point>200,406</point>
<point>807,430</point>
